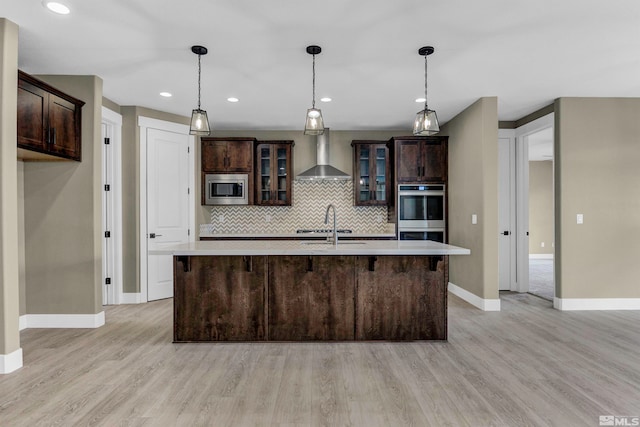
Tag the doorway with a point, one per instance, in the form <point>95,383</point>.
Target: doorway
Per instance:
<point>541,215</point>
<point>535,208</point>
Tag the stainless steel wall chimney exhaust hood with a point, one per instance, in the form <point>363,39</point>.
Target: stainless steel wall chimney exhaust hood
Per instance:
<point>322,171</point>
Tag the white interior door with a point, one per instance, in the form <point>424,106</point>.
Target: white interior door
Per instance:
<point>506,211</point>
<point>167,205</point>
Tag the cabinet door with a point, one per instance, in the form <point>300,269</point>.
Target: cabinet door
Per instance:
<point>220,299</point>
<point>405,298</point>
<point>63,135</point>
<point>363,194</point>
<point>239,156</point>
<point>32,113</point>
<point>409,161</point>
<point>214,156</point>
<point>311,298</point>
<point>435,161</point>
<point>379,169</point>
<point>281,174</point>
<point>264,190</point>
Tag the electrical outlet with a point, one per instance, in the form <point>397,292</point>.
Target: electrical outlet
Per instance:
<point>474,219</point>
<point>542,244</point>
<point>580,219</point>
<point>220,218</point>
<point>267,218</point>
<point>378,218</point>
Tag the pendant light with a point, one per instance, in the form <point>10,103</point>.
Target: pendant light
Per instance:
<point>314,124</point>
<point>199,119</point>
<point>426,120</point>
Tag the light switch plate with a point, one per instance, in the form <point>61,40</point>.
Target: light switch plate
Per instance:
<point>580,218</point>
<point>474,219</point>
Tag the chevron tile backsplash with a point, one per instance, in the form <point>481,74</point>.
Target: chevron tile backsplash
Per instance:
<point>310,200</point>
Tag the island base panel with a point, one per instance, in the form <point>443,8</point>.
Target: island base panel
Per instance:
<point>221,298</point>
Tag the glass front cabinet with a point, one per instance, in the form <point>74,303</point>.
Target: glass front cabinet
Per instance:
<point>371,173</point>
<point>273,173</point>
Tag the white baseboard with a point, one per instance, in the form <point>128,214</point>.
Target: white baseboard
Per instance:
<point>540,256</point>
<point>568,304</point>
<point>130,298</point>
<point>22,322</point>
<point>64,320</point>
<point>11,362</point>
<point>481,303</point>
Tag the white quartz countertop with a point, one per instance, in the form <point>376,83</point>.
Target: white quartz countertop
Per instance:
<point>295,235</point>
<point>302,247</point>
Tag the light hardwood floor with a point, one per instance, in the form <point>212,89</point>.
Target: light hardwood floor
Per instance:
<point>528,365</point>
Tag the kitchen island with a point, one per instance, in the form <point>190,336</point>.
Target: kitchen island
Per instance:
<point>310,290</point>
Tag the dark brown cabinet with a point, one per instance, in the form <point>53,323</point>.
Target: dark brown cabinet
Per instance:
<point>371,173</point>
<point>421,158</point>
<point>401,298</point>
<point>49,121</point>
<point>227,155</point>
<point>311,298</point>
<point>219,298</point>
<point>273,173</point>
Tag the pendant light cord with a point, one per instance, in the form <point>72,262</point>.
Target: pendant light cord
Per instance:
<point>199,72</point>
<point>313,103</point>
<point>425,84</point>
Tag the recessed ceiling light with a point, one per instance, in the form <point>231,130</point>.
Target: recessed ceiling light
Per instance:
<point>420,99</point>
<point>325,99</point>
<point>232,99</point>
<point>166,94</point>
<point>56,7</point>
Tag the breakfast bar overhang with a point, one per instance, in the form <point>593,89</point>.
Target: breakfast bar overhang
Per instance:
<point>310,290</point>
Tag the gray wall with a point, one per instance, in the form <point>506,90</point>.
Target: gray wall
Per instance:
<point>597,175</point>
<point>541,207</point>
<point>62,205</point>
<point>473,189</point>
<point>9,270</point>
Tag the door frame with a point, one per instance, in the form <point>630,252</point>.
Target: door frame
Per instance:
<point>144,124</point>
<point>510,134</point>
<point>113,176</point>
<point>522,192</point>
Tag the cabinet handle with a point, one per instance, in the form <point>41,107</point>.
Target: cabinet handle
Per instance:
<point>52,138</point>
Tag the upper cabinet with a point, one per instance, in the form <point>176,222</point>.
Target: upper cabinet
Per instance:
<point>227,155</point>
<point>371,173</point>
<point>49,121</point>
<point>421,158</point>
<point>273,173</point>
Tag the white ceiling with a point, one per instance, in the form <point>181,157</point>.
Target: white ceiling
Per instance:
<point>525,53</point>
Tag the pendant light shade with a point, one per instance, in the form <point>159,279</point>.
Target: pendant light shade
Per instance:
<point>314,125</point>
<point>426,122</point>
<point>199,119</point>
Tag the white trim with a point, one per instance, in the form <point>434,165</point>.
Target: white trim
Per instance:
<point>145,123</point>
<point>522,197</point>
<point>481,303</point>
<point>540,256</point>
<point>22,322</point>
<point>11,362</point>
<point>130,298</point>
<point>570,304</point>
<point>65,320</point>
<point>113,119</point>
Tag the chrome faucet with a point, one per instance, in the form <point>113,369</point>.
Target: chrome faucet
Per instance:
<point>326,221</point>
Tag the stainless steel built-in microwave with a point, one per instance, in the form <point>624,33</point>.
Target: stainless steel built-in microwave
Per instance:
<point>226,189</point>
